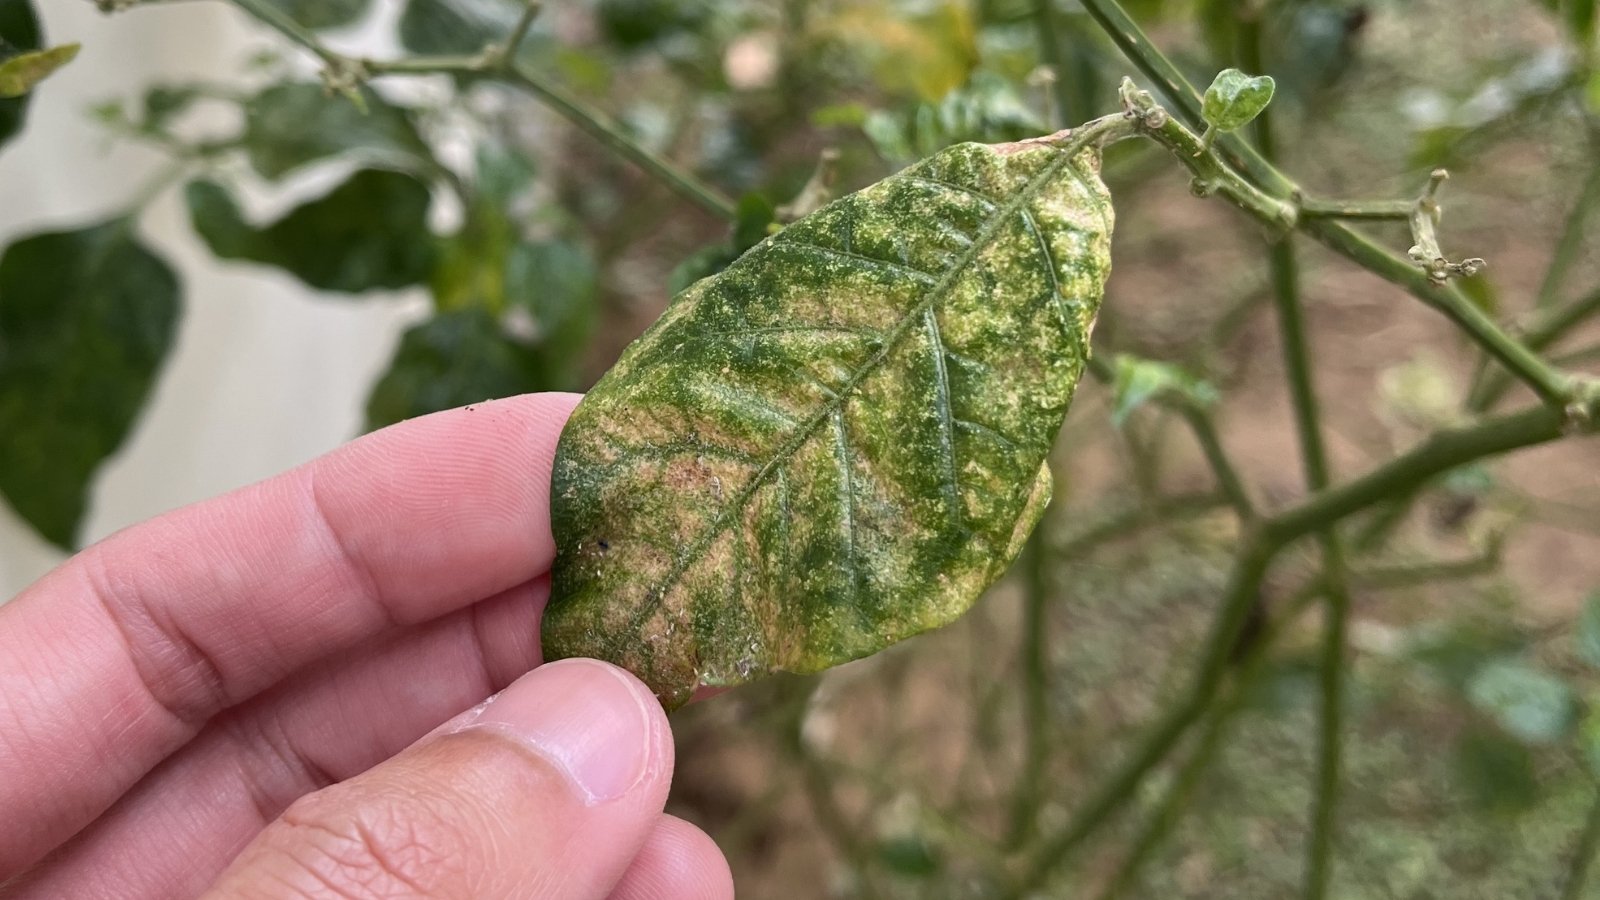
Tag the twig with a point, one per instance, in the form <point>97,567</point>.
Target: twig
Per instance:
<point>498,63</point>
<point>1583,854</point>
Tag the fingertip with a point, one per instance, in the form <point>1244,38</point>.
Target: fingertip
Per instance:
<point>677,862</point>
<point>594,722</point>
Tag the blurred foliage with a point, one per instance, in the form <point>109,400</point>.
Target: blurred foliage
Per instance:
<point>1475,722</point>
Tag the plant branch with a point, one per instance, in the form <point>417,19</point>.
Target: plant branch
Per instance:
<point>498,63</point>
<point>1583,854</point>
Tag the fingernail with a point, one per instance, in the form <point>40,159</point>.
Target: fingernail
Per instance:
<point>589,719</point>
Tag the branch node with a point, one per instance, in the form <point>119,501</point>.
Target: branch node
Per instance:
<point>1425,252</point>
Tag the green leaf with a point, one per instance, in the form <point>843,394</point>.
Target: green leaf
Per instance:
<point>19,29</point>
<point>1529,703</point>
<point>454,359</point>
<point>320,14</point>
<point>839,441</point>
<point>19,74</point>
<point>291,125</point>
<point>1141,380</point>
<point>1588,638</point>
<point>1234,98</point>
<point>1496,772</point>
<point>86,319</point>
<point>370,232</point>
<point>457,26</point>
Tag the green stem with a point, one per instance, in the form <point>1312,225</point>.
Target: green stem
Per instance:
<point>1583,854</point>
<point>1029,791</point>
<point>1232,486</point>
<point>1117,790</point>
<point>1572,233</point>
<point>1375,210</point>
<point>1048,32</point>
<point>1126,34</point>
<point>1551,326</point>
<point>502,66</point>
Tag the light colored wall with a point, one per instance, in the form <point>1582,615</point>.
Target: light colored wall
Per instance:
<point>265,373</point>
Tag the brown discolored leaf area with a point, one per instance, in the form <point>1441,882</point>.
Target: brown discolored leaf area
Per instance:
<point>839,441</point>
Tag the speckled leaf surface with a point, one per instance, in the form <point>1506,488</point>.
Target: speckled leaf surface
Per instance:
<point>839,441</point>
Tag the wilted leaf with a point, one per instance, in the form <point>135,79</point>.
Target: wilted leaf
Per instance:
<point>291,125</point>
<point>1527,702</point>
<point>1589,630</point>
<point>370,232</point>
<point>1234,98</point>
<point>19,73</point>
<point>838,442</point>
<point>320,14</point>
<point>1140,380</point>
<point>86,318</point>
<point>454,359</point>
<point>19,30</point>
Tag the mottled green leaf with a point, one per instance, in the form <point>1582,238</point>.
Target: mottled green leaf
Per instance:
<point>19,73</point>
<point>291,125</point>
<point>368,233</point>
<point>1527,702</point>
<point>1588,639</point>
<point>320,14</point>
<point>454,359</point>
<point>86,318</point>
<point>839,441</point>
<point>19,30</point>
<point>1234,98</point>
<point>1140,380</point>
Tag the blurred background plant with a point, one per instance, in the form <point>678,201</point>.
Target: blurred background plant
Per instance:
<point>1103,724</point>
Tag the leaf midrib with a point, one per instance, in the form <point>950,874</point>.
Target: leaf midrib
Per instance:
<point>936,295</point>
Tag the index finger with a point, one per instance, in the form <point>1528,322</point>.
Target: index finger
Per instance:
<point>117,658</point>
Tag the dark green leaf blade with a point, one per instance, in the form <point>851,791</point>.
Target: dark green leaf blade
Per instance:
<point>456,26</point>
<point>838,442</point>
<point>451,360</point>
<point>320,14</point>
<point>86,319</point>
<point>292,125</point>
<point>19,28</point>
<point>369,233</point>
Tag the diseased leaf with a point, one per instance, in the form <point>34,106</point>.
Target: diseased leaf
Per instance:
<point>291,125</point>
<point>86,319</point>
<point>19,74</point>
<point>19,30</point>
<point>1234,98</point>
<point>369,233</point>
<point>839,441</point>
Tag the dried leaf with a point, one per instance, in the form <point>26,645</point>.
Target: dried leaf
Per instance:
<point>839,441</point>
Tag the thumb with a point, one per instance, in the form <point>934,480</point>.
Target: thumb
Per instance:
<point>549,789</point>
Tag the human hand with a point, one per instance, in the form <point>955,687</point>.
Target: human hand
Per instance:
<point>245,696</point>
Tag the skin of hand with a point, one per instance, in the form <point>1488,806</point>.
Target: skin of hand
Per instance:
<point>281,693</point>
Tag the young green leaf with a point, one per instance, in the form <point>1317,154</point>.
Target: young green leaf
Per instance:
<point>1234,99</point>
<point>369,233</point>
<point>19,73</point>
<point>86,319</point>
<point>1140,380</point>
<point>839,441</point>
